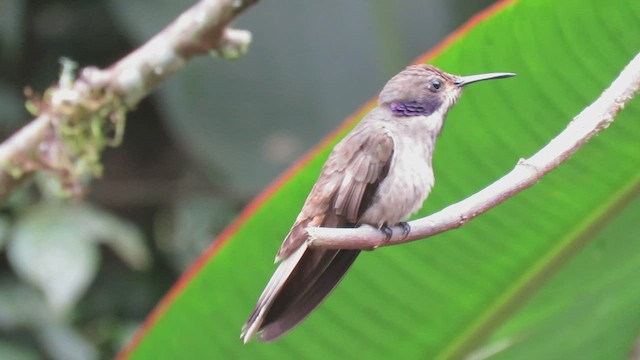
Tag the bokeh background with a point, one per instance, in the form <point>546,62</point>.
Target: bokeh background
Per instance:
<point>195,152</point>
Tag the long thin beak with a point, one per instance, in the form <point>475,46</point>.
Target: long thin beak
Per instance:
<point>466,80</point>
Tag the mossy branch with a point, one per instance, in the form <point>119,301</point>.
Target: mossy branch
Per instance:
<point>78,117</point>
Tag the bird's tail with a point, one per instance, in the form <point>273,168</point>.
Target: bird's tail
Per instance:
<point>300,283</point>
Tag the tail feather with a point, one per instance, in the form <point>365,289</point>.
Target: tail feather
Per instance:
<point>269,293</point>
<point>301,282</point>
<point>311,298</point>
<point>302,279</point>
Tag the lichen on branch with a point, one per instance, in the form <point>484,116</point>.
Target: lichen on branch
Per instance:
<point>78,118</point>
<point>84,119</point>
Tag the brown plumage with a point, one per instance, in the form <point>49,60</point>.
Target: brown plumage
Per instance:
<point>379,175</point>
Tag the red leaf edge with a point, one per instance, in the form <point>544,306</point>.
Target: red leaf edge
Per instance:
<point>250,209</point>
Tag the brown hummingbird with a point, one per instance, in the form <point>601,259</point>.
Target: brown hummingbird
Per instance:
<point>379,175</point>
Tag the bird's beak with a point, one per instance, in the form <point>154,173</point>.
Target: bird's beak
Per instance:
<point>465,80</point>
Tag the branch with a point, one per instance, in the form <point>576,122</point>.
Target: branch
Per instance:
<point>99,99</point>
<point>593,119</point>
<point>199,30</point>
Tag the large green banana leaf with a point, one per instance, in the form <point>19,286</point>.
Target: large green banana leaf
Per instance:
<point>551,273</point>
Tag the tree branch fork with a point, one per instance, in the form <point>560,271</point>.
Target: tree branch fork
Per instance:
<point>592,120</point>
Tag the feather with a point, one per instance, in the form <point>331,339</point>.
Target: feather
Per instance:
<point>306,276</point>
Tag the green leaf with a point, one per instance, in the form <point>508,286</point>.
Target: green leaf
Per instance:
<point>443,297</point>
<point>63,342</point>
<point>23,308</point>
<point>594,318</point>
<point>53,247</point>
<point>11,351</point>
<point>50,251</point>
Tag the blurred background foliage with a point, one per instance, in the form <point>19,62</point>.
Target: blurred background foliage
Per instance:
<point>76,279</point>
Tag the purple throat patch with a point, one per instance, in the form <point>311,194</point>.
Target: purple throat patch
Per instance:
<point>413,108</point>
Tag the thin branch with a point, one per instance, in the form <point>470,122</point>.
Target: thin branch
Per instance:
<point>200,30</point>
<point>593,119</point>
<point>113,91</point>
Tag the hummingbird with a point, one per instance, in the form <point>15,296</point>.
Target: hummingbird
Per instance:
<point>379,175</point>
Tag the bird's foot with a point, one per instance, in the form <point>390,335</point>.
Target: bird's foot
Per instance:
<point>406,229</point>
<point>386,230</point>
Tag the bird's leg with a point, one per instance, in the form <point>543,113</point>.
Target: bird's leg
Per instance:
<point>406,229</point>
<point>386,230</point>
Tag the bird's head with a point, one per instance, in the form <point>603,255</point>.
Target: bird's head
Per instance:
<point>421,90</point>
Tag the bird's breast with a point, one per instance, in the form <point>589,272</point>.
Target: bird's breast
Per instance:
<point>408,182</point>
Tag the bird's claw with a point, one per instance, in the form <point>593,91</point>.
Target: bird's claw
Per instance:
<point>406,229</point>
<point>386,230</point>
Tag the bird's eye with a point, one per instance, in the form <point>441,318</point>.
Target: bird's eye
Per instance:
<point>435,85</point>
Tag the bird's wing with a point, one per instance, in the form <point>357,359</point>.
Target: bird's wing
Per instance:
<point>346,184</point>
<point>306,276</point>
